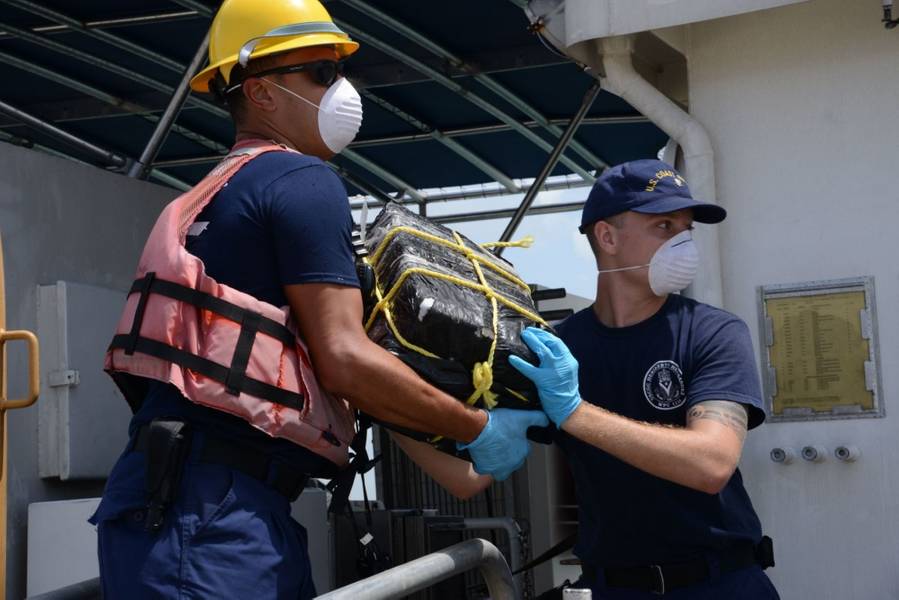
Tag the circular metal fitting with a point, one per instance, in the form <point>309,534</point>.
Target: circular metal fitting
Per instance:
<point>813,453</point>
<point>783,456</point>
<point>847,453</point>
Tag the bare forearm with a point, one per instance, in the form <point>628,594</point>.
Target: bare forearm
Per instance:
<point>457,476</point>
<point>378,383</point>
<point>687,457</point>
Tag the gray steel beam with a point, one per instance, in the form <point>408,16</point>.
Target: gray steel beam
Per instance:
<point>26,143</point>
<point>142,166</point>
<point>150,19</point>
<point>100,63</point>
<point>531,195</point>
<point>505,59</point>
<point>104,36</point>
<point>16,140</point>
<point>563,182</point>
<point>450,143</point>
<point>381,173</point>
<point>86,108</point>
<point>169,180</point>
<point>392,179</point>
<point>506,213</point>
<point>485,80</point>
<point>379,195</point>
<point>188,162</point>
<point>112,100</point>
<point>50,129</point>
<point>29,120</point>
<point>417,137</point>
<point>367,164</point>
<point>461,91</point>
<point>482,129</point>
<point>43,41</point>
<point>198,7</point>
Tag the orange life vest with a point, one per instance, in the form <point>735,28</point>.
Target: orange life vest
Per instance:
<point>219,346</point>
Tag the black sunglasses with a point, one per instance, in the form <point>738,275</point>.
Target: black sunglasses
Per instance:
<point>324,72</point>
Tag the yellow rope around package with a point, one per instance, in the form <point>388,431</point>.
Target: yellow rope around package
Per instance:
<point>482,373</point>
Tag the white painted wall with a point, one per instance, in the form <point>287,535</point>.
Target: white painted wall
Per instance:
<point>60,221</point>
<point>801,103</point>
<point>589,19</point>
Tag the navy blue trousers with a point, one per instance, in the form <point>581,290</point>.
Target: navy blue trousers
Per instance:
<point>227,535</point>
<point>750,583</point>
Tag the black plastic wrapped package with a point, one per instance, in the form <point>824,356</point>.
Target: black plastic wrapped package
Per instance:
<point>433,312</point>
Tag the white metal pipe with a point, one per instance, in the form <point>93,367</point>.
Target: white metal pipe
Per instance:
<point>623,80</point>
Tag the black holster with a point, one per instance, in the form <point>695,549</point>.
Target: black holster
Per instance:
<point>166,445</point>
<point>764,552</point>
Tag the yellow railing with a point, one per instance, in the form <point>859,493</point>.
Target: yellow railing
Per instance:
<point>6,404</point>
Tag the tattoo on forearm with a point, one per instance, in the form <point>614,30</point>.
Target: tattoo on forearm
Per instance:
<point>731,414</point>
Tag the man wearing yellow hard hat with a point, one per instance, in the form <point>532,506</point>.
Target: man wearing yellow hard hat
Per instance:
<point>241,348</point>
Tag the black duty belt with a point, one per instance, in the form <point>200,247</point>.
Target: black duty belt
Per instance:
<point>662,578</point>
<point>258,465</point>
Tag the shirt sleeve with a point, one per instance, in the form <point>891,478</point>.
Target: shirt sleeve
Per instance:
<point>312,227</point>
<point>725,370</point>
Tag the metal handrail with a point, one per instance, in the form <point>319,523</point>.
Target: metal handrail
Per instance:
<point>423,572</point>
<point>507,524</point>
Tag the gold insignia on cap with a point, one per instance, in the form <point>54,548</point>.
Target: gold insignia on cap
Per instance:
<point>660,175</point>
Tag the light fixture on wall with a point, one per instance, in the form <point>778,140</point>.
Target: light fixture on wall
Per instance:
<point>888,21</point>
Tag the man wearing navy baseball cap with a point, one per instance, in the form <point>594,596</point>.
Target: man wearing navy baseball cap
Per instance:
<point>653,421</point>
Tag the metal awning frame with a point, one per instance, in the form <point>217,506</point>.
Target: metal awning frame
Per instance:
<point>486,80</point>
<point>423,137</point>
<point>180,95</point>
<point>181,89</point>
<point>438,77</point>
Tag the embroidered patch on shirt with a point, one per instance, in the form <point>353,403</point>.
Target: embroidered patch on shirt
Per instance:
<point>663,385</point>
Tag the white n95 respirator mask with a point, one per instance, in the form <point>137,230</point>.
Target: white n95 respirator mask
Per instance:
<point>673,266</point>
<point>339,114</point>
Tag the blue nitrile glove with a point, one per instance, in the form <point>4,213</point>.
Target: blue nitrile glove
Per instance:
<point>501,447</point>
<point>555,378</point>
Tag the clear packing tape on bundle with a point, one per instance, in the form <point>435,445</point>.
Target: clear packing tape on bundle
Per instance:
<point>485,267</point>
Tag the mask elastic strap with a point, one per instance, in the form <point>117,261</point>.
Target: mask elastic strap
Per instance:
<point>623,269</point>
<point>309,102</point>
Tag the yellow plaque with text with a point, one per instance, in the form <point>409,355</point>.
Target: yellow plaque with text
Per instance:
<point>819,352</point>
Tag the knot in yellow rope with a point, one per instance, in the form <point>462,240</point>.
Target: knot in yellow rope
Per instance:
<point>482,378</point>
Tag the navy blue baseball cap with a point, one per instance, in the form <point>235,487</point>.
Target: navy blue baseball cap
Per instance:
<point>644,186</point>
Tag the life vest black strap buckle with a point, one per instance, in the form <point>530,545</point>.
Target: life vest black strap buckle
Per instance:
<point>249,325</point>
<point>144,284</point>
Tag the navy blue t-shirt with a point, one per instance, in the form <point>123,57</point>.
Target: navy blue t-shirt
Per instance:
<point>282,219</point>
<point>688,352</point>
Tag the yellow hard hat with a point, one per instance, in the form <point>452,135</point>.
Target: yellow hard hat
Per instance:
<point>246,29</point>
